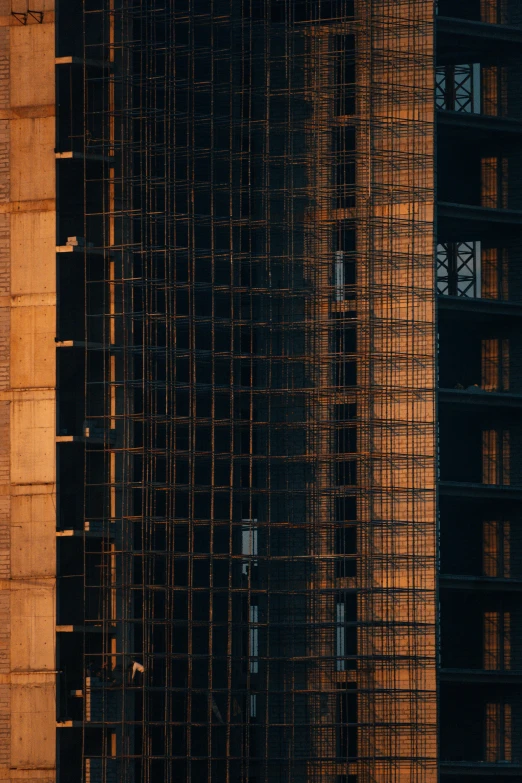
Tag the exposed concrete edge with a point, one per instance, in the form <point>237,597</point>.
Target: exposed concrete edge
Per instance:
<point>12,21</point>
<point>28,112</point>
<point>44,205</point>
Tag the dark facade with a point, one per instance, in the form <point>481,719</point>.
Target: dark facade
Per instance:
<point>294,285</point>
<point>478,281</point>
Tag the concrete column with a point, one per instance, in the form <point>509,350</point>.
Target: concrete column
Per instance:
<point>27,394</point>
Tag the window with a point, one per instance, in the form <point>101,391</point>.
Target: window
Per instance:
<point>345,75</point>
<point>496,551</point>
<point>254,638</point>
<point>346,473</point>
<point>494,273</point>
<point>340,639</point>
<point>496,457</point>
<point>345,630</point>
<point>346,440</point>
<point>458,267</point>
<point>345,184</point>
<point>343,144</point>
<point>495,364</point>
<point>498,733</point>
<point>346,508</point>
<point>497,641</point>
<point>347,720</point>
<point>345,276</point>
<point>345,373</point>
<point>494,92</point>
<point>346,549</point>
<point>457,88</point>
<point>249,545</point>
<point>345,339</point>
<point>494,182</point>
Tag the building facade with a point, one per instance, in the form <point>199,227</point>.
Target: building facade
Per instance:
<point>259,391</point>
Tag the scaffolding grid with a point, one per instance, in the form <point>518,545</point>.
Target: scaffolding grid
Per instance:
<point>260,538</point>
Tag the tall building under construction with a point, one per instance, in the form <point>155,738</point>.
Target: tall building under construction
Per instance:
<point>260,391</point>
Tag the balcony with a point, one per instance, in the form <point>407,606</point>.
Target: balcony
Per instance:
<point>487,676</point>
<point>468,489</point>
<point>487,128</point>
<point>481,768</point>
<point>458,220</point>
<point>465,40</point>
<point>479,399</point>
<point>487,584</point>
<point>479,309</point>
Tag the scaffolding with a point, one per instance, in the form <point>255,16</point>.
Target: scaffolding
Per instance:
<point>258,442</point>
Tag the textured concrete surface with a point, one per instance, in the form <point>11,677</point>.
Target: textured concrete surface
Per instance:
<point>27,397</point>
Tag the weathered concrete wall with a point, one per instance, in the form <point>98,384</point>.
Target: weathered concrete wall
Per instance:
<point>27,396</point>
